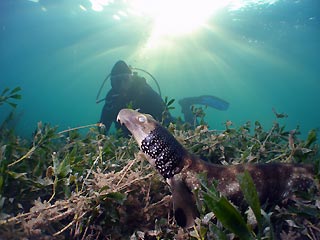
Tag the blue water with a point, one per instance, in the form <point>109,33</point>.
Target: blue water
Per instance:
<point>259,56</point>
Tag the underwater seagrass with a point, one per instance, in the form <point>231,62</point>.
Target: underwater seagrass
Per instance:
<point>273,181</point>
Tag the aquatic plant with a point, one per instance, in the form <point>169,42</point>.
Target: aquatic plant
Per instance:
<point>6,96</point>
<point>168,106</point>
<point>64,185</point>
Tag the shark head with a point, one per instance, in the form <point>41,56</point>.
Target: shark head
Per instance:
<point>155,141</point>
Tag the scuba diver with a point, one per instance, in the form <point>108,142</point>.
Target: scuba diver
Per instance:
<point>207,100</point>
<point>128,89</point>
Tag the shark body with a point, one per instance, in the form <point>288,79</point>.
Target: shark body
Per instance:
<point>273,181</point>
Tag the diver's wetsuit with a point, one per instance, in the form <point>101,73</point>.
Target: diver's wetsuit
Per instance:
<point>140,96</point>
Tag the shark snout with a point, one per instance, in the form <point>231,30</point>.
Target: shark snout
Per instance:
<point>123,115</point>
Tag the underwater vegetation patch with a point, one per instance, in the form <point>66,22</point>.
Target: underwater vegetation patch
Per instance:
<point>64,185</point>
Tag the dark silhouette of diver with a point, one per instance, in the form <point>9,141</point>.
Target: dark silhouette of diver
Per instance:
<point>207,100</point>
<point>128,89</point>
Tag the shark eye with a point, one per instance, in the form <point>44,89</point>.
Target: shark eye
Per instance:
<point>142,118</point>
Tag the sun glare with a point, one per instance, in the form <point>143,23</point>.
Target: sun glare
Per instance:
<point>168,21</point>
<point>176,17</point>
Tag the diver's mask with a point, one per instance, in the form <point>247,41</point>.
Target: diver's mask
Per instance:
<point>121,81</point>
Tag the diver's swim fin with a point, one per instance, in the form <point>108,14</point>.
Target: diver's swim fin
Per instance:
<point>208,100</point>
